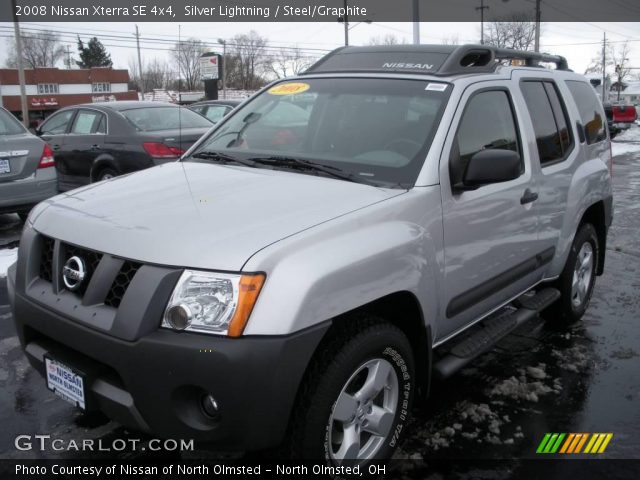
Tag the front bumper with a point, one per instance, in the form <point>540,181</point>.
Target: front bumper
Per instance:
<point>156,382</point>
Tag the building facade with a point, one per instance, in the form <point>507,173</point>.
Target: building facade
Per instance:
<point>49,89</point>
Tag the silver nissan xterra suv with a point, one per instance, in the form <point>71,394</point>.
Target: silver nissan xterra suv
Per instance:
<point>299,276</point>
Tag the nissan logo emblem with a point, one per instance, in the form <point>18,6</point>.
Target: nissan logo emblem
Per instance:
<point>73,273</point>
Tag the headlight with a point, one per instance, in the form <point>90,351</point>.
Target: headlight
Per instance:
<point>214,303</point>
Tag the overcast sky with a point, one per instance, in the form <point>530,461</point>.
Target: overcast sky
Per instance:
<point>579,41</point>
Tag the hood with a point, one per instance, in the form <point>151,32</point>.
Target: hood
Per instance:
<point>199,215</point>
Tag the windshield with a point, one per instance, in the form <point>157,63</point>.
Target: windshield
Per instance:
<point>374,130</point>
<point>9,125</point>
<point>152,119</point>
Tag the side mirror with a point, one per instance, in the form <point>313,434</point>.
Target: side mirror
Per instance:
<point>490,166</point>
<point>37,132</point>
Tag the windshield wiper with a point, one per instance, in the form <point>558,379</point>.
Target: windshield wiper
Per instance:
<point>222,158</point>
<point>300,164</point>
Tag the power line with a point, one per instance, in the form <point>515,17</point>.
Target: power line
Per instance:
<point>126,39</point>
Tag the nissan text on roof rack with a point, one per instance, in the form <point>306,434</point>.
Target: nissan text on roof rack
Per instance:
<point>330,245</point>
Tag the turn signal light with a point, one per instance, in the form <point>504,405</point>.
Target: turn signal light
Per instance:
<point>249,289</point>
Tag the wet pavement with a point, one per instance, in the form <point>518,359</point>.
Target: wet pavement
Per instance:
<point>545,377</point>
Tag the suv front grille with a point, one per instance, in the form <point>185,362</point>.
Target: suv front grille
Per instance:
<point>121,283</point>
<point>46,260</point>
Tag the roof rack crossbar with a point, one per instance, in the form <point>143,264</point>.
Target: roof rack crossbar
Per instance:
<point>531,58</point>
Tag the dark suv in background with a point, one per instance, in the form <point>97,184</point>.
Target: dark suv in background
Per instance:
<point>97,141</point>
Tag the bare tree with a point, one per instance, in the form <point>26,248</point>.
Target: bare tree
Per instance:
<point>617,63</point>
<point>287,62</point>
<point>157,74</point>
<point>388,39</point>
<point>516,31</point>
<point>42,49</point>
<point>246,60</point>
<point>186,57</point>
<point>451,40</point>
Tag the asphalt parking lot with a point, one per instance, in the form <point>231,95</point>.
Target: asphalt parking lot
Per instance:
<point>543,378</point>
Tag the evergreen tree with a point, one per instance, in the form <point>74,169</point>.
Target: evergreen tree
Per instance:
<point>93,55</point>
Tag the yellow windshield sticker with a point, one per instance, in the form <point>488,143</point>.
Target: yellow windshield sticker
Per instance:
<point>289,88</point>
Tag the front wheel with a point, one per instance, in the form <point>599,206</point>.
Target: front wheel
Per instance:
<point>357,395</point>
<point>579,275</point>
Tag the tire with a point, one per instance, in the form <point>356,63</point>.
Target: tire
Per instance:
<point>363,356</point>
<point>581,265</point>
<point>105,174</point>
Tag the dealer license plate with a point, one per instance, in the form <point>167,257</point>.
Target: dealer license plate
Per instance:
<point>64,382</point>
<point>5,167</point>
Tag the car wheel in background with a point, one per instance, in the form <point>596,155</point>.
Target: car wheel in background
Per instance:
<point>105,174</point>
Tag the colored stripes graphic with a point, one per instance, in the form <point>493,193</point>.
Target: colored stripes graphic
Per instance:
<point>572,443</point>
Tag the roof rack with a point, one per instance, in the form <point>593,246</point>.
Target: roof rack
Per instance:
<point>441,60</point>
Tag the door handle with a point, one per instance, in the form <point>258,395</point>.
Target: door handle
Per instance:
<point>95,147</point>
<point>528,197</point>
<point>55,147</point>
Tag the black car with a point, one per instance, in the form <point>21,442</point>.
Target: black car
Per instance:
<point>214,110</point>
<point>97,141</point>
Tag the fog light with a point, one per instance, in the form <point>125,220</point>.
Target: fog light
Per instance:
<point>179,317</point>
<point>210,406</point>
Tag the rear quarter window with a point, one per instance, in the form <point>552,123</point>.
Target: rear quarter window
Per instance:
<point>592,115</point>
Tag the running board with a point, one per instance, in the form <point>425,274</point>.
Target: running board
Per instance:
<point>487,333</point>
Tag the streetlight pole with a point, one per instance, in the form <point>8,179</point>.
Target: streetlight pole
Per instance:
<point>346,25</point>
<point>224,67</point>
<point>482,8</point>
<point>416,22</point>
<point>538,15</point>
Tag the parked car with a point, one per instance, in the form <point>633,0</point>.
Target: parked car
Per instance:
<point>27,175</point>
<point>98,141</point>
<point>214,110</point>
<point>423,211</point>
<point>620,117</point>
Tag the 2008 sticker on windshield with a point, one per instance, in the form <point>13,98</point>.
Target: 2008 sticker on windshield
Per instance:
<point>289,88</point>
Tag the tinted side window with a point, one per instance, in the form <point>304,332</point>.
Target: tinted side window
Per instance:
<point>58,123</point>
<point>86,122</point>
<point>591,113</point>
<point>487,122</point>
<point>560,114</point>
<point>548,137</point>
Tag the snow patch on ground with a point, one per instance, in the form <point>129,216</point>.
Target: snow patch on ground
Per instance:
<point>572,359</point>
<point>522,388</point>
<point>7,258</point>
<point>626,142</point>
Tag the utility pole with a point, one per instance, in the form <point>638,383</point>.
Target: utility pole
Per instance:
<point>23,90</point>
<point>482,8</point>
<point>538,16</point>
<point>139,61</point>
<point>604,65</point>
<point>416,22</point>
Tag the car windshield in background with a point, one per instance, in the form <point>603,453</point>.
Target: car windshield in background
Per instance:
<point>152,119</point>
<point>9,125</point>
<point>375,131</point>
